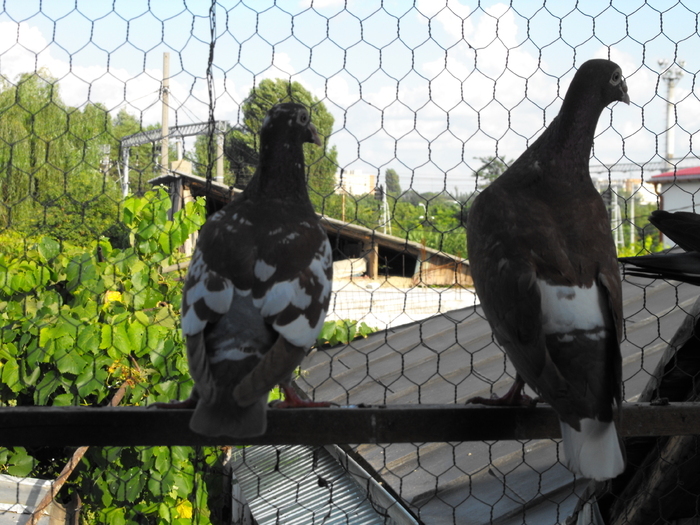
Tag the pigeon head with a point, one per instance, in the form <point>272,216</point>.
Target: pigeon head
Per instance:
<point>607,76</point>
<point>288,123</point>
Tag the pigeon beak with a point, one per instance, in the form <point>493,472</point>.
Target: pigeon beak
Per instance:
<point>625,97</point>
<point>314,135</point>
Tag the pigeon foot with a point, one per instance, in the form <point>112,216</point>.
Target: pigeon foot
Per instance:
<point>292,400</point>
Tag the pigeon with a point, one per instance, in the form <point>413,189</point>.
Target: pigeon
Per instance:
<point>683,228</point>
<point>544,266</point>
<point>258,287</point>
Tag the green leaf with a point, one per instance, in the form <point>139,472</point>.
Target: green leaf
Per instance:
<point>46,387</point>
<point>115,515</point>
<point>132,485</point>
<point>63,400</point>
<point>60,329</point>
<point>136,332</point>
<point>164,512</point>
<point>8,351</point>
<point>80,270</point>
<point>327,331</point>
<point>10,375</point>
<point>49,248</point>
<point>19,463</point>
<point>116,337</point>
<point>8,335</point>
<point>71,363</point>
<point>33,377</point>
<point>89,338</point>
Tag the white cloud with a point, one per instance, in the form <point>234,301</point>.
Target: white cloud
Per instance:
<point>423,107</point>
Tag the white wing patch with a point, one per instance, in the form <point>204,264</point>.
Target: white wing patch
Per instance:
<point>571,308</point>
<point>290,237</point>
<point>232,354</point>
<point>262,270</point>
<point>217,297</point>
<point>299,332</point>
<point>281,295</point>
<point>319,265</point>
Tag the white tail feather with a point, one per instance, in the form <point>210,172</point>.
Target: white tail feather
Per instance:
<point>595,451</point>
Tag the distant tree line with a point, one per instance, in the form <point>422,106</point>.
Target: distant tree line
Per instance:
<point>60,168</point>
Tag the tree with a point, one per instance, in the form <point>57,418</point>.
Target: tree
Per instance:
<point>142,159</point>
<point>393,186</point>
<point>321,162</point>
<point>239,159</point>
<point>491,168</point>
<point>50,159</point>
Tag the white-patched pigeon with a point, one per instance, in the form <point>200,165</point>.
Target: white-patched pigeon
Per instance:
<point>258,287</point>
<point>544,265</point>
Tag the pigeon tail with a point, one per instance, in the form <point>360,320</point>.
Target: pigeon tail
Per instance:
<point>228,419</point>
<point>595,451</point>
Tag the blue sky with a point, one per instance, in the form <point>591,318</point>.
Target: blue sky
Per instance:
<point>422,88</point>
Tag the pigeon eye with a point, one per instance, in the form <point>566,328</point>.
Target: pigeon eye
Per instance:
<point>616,77</point>
<point>303,118</point>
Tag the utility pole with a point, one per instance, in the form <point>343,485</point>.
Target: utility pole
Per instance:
<point>165,100</point>
<point>671,75</point>
<point>220,158</point>
<point>385,206</point>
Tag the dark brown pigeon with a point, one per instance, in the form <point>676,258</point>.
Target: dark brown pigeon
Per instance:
<point>258,286</point>
<point>683,228</point>
<point>544,265</point>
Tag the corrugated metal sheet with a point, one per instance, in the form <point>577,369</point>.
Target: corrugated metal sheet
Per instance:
<point>306,485</point>
<point>19,497</point>
<point>452,357</point>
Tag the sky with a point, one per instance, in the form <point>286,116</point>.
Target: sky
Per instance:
<point>426,87</point>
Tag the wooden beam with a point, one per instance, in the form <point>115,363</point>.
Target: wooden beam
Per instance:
<point>371,249</point>
<point>130,426</point>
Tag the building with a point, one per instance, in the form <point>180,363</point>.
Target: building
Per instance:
<point>355,182</point>
<point>678,190</point>
<point>357,250</point>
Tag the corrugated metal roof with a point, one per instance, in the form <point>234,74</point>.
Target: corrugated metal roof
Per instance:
<point>302,485</point>
<point>452,357</point>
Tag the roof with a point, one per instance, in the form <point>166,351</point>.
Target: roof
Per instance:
<point>685,174</point>
<point>388,246</point>
<point>452,357</point>
<point>300,485</point>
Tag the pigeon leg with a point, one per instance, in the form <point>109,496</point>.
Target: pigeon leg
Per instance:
<point>514,397</point>
<point>190,402</point>
<point>276,366</point>
<point>292,399</point>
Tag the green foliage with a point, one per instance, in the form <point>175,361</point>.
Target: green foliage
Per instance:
<point>491,168</point>
<point>56,181</point>
<point>76,323</point>
<point>343,331</point>
<point>51,155</point>
<point>141,158</point>
<point>393,185</point>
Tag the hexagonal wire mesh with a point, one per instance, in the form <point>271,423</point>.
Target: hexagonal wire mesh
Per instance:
<point>420,105</point>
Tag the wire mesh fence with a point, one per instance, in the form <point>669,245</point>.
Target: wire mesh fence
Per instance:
<point>112,154</point>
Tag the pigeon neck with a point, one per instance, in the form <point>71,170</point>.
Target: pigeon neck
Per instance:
<point>576,125</point>
<point>281,172</point>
